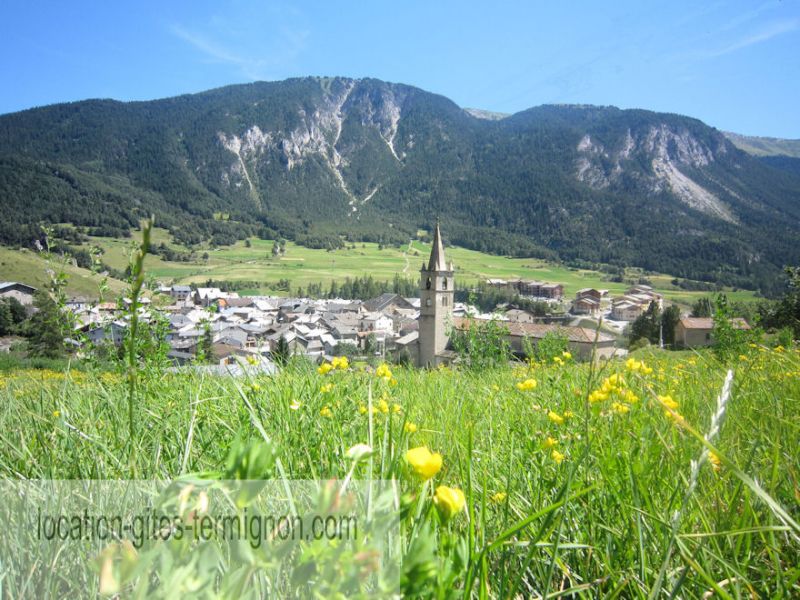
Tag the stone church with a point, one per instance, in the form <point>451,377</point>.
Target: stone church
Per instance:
<point>428,346</point>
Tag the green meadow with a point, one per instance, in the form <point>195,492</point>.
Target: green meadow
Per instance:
<point>29,267</point>
<point>302,266</point>
<point>536,480</point>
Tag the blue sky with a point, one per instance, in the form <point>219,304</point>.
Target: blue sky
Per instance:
<point>735,65</point>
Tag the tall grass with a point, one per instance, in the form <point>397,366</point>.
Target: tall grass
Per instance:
<point>601,522</point>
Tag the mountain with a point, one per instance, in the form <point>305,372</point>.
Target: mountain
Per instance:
<point>315,159</point>
<point>765,146</point>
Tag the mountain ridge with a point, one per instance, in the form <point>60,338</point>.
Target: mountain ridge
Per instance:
<point>315,159</point>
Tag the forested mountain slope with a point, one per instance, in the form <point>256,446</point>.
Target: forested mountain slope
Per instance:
<point>314,159</point>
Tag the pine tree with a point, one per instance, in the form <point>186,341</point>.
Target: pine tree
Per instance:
<point>5,318</point>
<point>282,352</point>
<point>669,319</point>
<point>45,328</point>
<point>647,326</point>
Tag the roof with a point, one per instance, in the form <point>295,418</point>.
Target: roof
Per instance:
<point>582,335</point>
<point>584,291</point>
<point>407,339</point>
<point>11,284</point>
<point>708,323</point>
<point>437,261</point>
<point>385,300</point>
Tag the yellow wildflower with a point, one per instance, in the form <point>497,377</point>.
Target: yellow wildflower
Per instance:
<point>526,385</point>
<point>557,456</point>
<point>384,372</point>
<point>325,368</point>
<point>779,349</point>
<point>646,370</point>
<point>425,463</point>
<point>295,405</point>
<point>598,396</point>
<point>326,388</point>
<point>633,365</point>
<point>340,362</point>
<point>631,397</point>
<point>362,409</point>
<point>56,413</point>
<point>550,442</point>
<point>620,408</point>
<point>448,501</point>
<point>396,408</point>
<point>674,416</point>
<point>558,360</point>
<point>716,463</point>
<point>499,497</point>
<point>555,418</point>
<point>668,402</point>
<point>410,427</point>
<point>742,357</point>
<point>568,414</point>
<point>383,406</point>
<point>567,355</point>
<point>326,412</point>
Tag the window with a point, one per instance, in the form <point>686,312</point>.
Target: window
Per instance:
<point>428,284</point>
<point>444,300</point>
<point>444,283</point>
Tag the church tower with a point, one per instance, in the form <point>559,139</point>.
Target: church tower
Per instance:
<point>436,285</point>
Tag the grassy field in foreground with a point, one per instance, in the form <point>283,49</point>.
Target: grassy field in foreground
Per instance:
<point>563,495</point>
<point>302,266</point>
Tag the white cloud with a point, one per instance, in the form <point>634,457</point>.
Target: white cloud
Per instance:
<point>255,54</point>
<point>765,34</point>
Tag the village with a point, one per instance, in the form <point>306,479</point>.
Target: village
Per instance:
<point>228,330</point>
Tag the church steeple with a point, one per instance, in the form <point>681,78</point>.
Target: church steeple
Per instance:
<point>436,304</point>
<point>437,262</point>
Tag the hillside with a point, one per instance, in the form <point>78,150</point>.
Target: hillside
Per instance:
<point>318,158</point>
<point>30,268</point>
<point>765,146</point>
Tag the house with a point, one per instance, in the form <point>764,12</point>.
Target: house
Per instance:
<point>207,296</point>
<point>591,293</point>
<point>77,304</point>
<point>113,332</point>
<point>519,315</point>
<point>387,303</point>
<point>582,342</point>
<point>180,292</point>
<point>554,291</point>
<point>536,289</point>
<point>627,310</point>
<point>587,305</point>
<point>19,291</point>
<point>376,322</point>
<point>695,332</point>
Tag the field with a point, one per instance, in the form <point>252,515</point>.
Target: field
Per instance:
<point>578,481</point>
<point>28,267</point>
<point>302,266</point>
